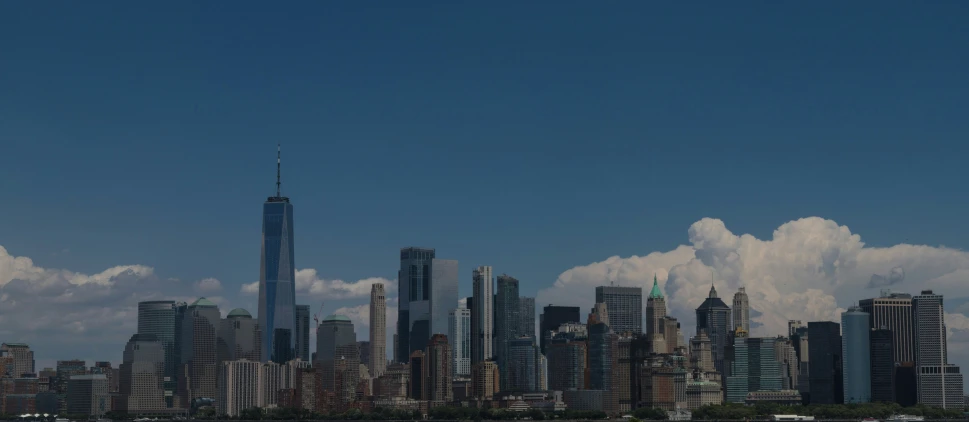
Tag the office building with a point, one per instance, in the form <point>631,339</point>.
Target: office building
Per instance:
<point>418,376</point>
<point>894,312</point>
<point>363,346</point>
<point>602,348</point>
<point>713,317</point>
<point>23,358</point>
<point>751,366</point>
<point>567,356</point>
<point>199,354</point>
<point>241,387</point>
<point>335,338</point>
<point>459,334</point>
<point>526,316</point>
<point>701,353</point>
<point>787,358</point>
<point>507,322</point>
<point>303,332</point>
<point>741,310</point>
<point>142,373</point>
<point>378,330</point>
<point>625,305</point>
<point>88,395</point>
<point>826,379</point>
<point>238,338</point>
<point>939,383</point>
<point>430,286</point>
<point>655,311</point>
<point>65,370</point>
<point>799,340</point>
<point>553,317</point>
<point>482,314</point>
<point>439,363</point>
<point>522,367</point>
<point>277,278</point>
<point>856,356</point>
<point>484,380</point>
<point>882,366</point>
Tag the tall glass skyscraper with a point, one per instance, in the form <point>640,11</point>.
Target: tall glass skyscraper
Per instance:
<point>157,318</point>
<point>430,286</point>
<point>277,279</point>
<point>414,280</point>
<point>856,356</point>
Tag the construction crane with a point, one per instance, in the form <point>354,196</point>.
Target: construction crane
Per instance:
<point>316,316</point>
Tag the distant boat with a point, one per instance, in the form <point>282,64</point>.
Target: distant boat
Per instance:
<point>905,418</point>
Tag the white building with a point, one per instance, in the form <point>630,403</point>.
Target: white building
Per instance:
<point>459,335</point>
<point>241,387</point>
<point>482,322</point>
<point>940,384</point>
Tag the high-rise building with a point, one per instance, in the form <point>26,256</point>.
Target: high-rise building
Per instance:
<point>882,366</point>
<point>521,367</point>
<point>142,384</point>
<point>414,281</point>
<point>303,332</point>
<point>23,358</point>
<point>601,313</point>
<point>856,356</point>
<point>894,312</point>
<point>418,376</point>
<point>238,338</point>
<point>567,355</point>
<point>602,359</point>
<point>655,310</point>
<point>459,334</point>
<point>88,395</point>
<point>786,357</point>
<point>431,288</point>
<point>526,316</point>
<point>439,364</point>
<point>335,338</point>
<point>67,369</point>
<point>939,383</point>
<point>507,322</point>
<point>241,387</point>
<point>199,354</point>
<point>484,380</point>
<point>751,366</point>
<point>826,380</point>
<point>625,305</point>
<point>741,310</point>
<point>799,340</point>
<point>378,330</point>
<point>553,317</point>
<point>701,353</point>
<point>277,278</point>
<point>713,317</point>
<point>482,314</point>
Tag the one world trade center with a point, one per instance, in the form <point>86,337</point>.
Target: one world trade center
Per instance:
<point>277,279</point>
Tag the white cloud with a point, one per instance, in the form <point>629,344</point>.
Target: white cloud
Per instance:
<point>811,269</point>
<point>360,316</point>
<point>309,283</point>
<point>208,285</point>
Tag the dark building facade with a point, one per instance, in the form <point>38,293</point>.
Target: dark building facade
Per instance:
<point>507,322</point>
<point>415,269</point>
<point>625,307</point>
<point>713,317</point>
<point>882,366</point>
<point>554,316</point>
<point>824,349</point>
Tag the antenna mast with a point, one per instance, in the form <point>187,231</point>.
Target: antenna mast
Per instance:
<point>277,170</point>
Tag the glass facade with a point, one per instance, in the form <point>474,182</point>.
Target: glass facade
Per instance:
<point>824,349</point>
<point>303,332</point>
<point>856,353</point>
<point>444,294</point>
<point>751,366</point>
<point>552,318</point>
<point>625,306</point>
<point>157,318</point>
<point>507,322</point>
<point>414,274</point>
<point>277,282</point>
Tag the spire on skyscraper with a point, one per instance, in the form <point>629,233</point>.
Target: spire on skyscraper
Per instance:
<point>655,293</point>
<point>278,150</point>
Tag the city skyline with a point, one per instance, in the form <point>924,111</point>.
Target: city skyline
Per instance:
<point>807,173</point>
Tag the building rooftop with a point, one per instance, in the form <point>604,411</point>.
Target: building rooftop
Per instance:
<point>655,293</point>
<point>336,318</point>
<point>203,302</point>
<point>239,313</point>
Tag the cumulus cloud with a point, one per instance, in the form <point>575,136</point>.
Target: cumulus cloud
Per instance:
<point>310,283</point>
<point>810,269</point>
<point>208,285</point>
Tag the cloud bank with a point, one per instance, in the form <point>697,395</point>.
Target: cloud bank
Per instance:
<point>309,283</point>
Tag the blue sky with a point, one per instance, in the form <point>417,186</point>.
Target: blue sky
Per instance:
<point>533,137</point>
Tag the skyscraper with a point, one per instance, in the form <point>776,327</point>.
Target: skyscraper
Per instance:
<point>526,316</point>
<point>335,339</point>
<point>521,365</point>
<point>507,321</point>
<point>567,355</point>
<point>277,278</point>
<point>240,387</point>
<point>625,305</point>
<point>431,287</point>
<point>303,332</point>
<point>199,355</point>
<point>482,314</point>
<point>655,311</point>
<point>713,317</point>
<point>882,366</point>
<point>414,280</point>
<point>158,318</point>
<point>940,383</point>
<point>824,347</point>
<point>238,337</point>
<point>23,358</point>
<point>553,317</point>
<point>751,366</point>
<point>439,364</point>
<point>143,375</point>
<point>856,356</point>
<point>741,310</point>
<point>88,395</point>
<point>894,312</point>
<point>459,334</point>
<point>378,330</point>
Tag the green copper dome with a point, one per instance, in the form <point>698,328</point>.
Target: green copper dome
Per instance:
<point>203,302</point>
<point>655,293</point>
<point>336,318</point>
<point>239,313</point>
